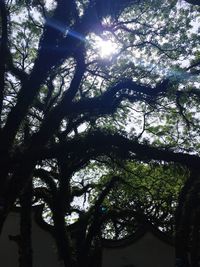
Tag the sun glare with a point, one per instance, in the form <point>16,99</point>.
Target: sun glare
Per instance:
<point>105,48</point>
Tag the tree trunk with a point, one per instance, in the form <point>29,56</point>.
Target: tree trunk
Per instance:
<point>25,244</point>
<point>62,238</point>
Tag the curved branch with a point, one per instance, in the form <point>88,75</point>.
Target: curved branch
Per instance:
<point>47,178</point>
<point>112,97</point>
<point>98,143</point>
<point>54,118</point>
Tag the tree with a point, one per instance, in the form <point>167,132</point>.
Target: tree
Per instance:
<point>63,105</point>
<point>145,192</point>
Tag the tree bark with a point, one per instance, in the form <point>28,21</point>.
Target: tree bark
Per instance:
<point>25,244</point>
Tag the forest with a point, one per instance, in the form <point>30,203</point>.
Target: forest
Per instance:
<point>99,121</point>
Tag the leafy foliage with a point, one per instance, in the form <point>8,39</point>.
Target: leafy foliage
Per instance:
<point>147,190</point>
<point>64,107</point>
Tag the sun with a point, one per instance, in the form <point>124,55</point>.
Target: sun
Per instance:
<point>105,47</point>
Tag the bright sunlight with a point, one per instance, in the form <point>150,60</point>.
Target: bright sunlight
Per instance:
<point>105,47</point>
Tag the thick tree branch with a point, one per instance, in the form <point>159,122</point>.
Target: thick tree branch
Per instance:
<point>54,118</point>
<point>48,178</point>
<point>98,143</point>
<point>94,228</point>
<point>110,100</point>
<point>53,35</point>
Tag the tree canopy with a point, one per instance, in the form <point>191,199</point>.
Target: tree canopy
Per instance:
<point>113,84</point>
